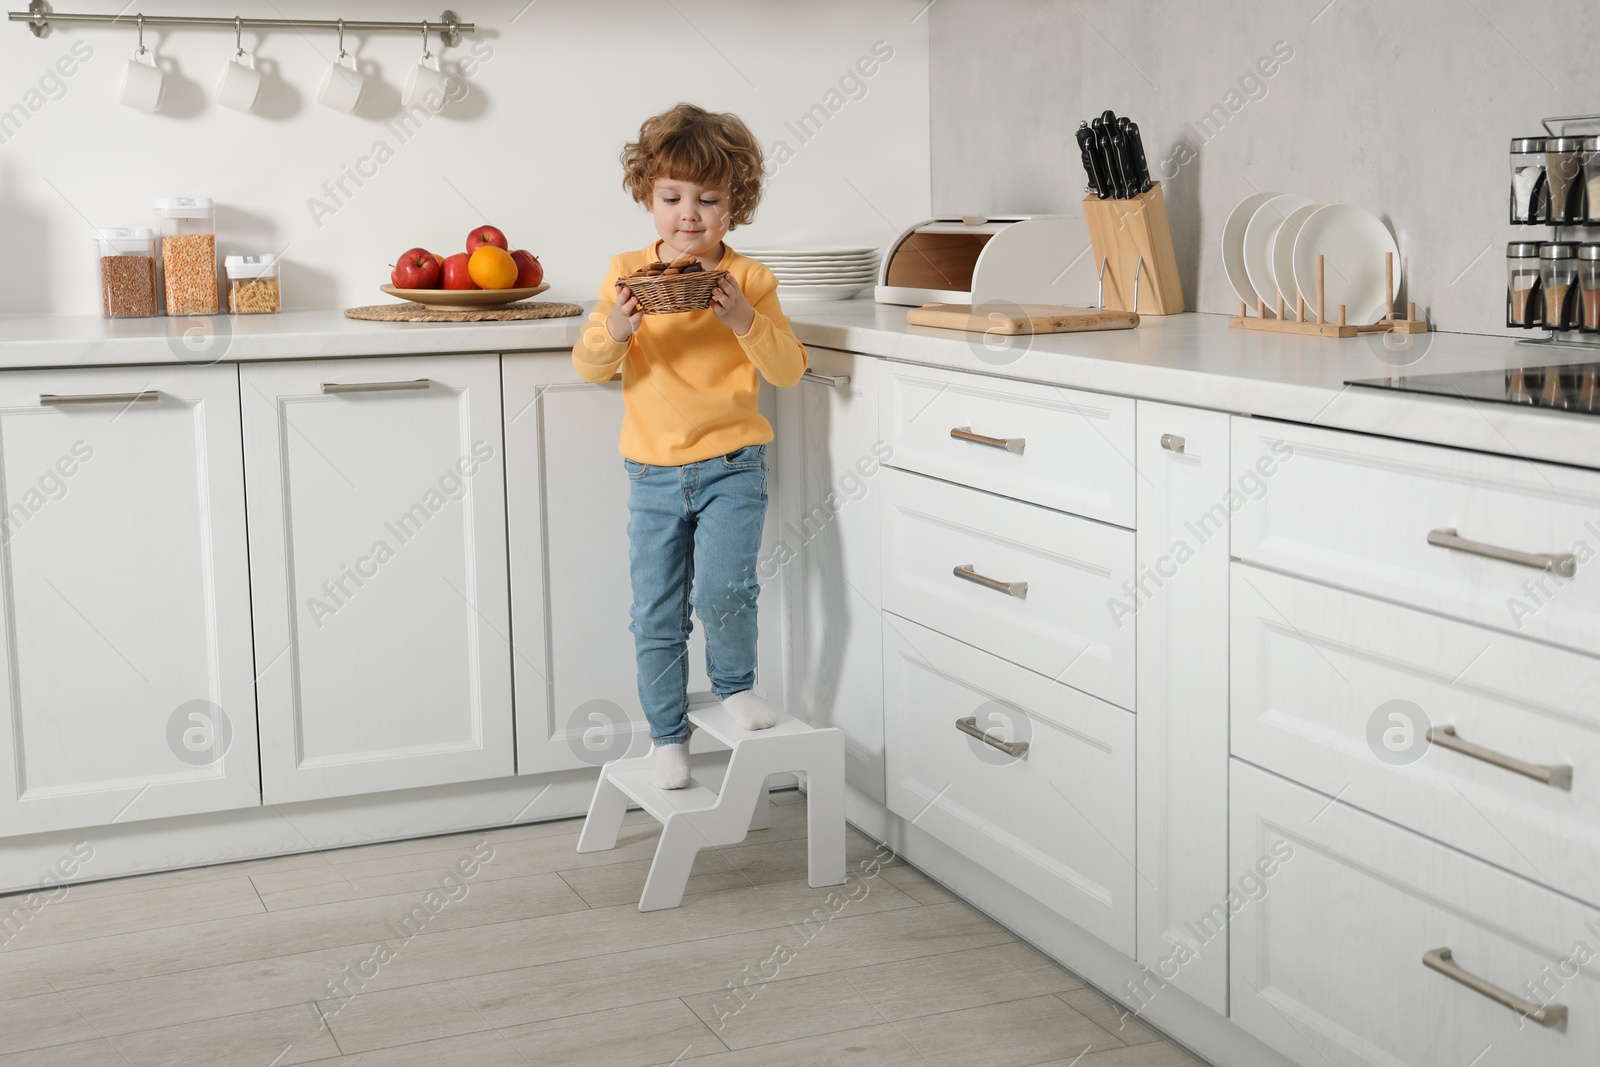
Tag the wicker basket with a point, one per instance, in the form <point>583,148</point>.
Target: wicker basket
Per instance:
<point>674,293</point>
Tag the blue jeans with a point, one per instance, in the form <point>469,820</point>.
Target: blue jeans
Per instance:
<point>695,526</point>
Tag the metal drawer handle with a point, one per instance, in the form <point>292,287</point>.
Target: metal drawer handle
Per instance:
<point>1016,589</point>
<point>969,725</point>
<point>1557,775</point>
<point>1552,1015</point>
<point>1566,564</point>
<point>838,381</point>
<point>99,398</point>
<point>1172,442</point>
<point>329,388</point>
<point>1010,444</point>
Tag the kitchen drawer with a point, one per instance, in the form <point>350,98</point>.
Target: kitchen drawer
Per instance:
<point>1326,950</point>
<point>1359,511</point>
<point>1070,450</point>
<point>1065,576</point>
<point>1315,671</point>
<point>1057,821</point>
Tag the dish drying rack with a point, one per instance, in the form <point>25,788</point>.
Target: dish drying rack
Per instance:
<point>1320,326</point>
<point>1570,339</point>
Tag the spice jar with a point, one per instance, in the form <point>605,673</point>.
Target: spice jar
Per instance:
<point>1558,270</point>
<point>127,273</point>
<point>1563,174</point>
<point>1522,284</point>
<point>188,255</point>
<point>1530,204</point>
<point>1591,177</point>
<point>252,285</point>
<point>1589,287</point>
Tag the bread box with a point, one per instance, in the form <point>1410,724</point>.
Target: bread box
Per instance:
<point>1018,259</point>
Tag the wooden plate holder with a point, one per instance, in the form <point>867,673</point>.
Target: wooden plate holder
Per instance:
<point>1133,246</point>
<point>1320,326</point>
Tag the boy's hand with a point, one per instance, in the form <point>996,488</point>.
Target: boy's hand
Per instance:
<point>625,317</point>
<point>729,304</point>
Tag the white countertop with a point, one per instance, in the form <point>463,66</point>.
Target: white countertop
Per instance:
<point>1183,359</point>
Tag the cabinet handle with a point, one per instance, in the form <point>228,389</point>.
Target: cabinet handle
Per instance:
<point>838,381</point>
<point>99,398</point>
<point>1010,444</point>
<point>1172,442</point>
<point>1566,564</point>
<point>1557,775</point>
<point>329,388</point>
<point>1553,1015</point>
<point>1016,589</point>
<point>969,725</point>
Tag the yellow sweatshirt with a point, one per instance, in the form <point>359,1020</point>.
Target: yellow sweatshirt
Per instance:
<point>689,383</point>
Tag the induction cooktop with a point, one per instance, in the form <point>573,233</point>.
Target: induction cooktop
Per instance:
<point>1569,387</point>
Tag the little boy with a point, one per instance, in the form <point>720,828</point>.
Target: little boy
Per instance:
<point>693,442</point>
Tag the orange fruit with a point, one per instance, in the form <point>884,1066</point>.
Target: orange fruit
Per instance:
<point>492,268</point>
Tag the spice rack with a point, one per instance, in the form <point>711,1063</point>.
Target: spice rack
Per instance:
<point>1570,339</point>
<point>1319,326</point>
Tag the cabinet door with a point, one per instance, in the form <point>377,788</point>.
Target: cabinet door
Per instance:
<point>125,678</point>
<point>568,503</point>
<point>1336,912</point>
<point>1182,668</point>
<point>378,556</point>
<point>831,573</point>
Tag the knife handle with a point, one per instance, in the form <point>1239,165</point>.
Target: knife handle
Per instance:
<point>1136,156</point>
<point>1091,167</point>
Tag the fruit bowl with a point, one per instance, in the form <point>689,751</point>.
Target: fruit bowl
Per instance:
<point>464,299</point>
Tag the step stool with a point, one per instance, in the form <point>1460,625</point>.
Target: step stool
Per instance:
<point>725,799</point>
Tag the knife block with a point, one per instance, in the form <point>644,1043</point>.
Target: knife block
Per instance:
<point>1121,231</point>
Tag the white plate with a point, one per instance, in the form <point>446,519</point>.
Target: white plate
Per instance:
<point>837,275</point>
<point>1283,257</point>
<point>865,257</point>
<point>819,264</point>
<point>1352,242</point>
<point>1233,245</point>
<point>1259,236</point>
<point>820,292</point>
<point>820,250</point>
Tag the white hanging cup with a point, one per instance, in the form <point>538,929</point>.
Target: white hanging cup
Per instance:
<point>143,83</point>
<point>424,78</point>
<point>342,82</point>
<point>240,84</point>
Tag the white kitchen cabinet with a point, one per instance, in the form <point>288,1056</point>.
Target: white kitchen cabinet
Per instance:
<point>1337,911</point>
<point>376,501</point>
<point>1056,820</point>
<point>827,554</point>
<point>125,680</point>
<point>1182,666</point>
<point>576,676</point>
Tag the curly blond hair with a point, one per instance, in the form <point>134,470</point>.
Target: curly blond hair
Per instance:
<point>690,144</point>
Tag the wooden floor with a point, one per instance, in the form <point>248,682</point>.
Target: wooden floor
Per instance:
<point>389,955</point>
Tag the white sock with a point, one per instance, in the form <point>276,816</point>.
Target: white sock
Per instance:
<point>749,710</point>
<point>672,766</point>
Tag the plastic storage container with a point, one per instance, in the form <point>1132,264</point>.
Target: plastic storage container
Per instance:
<point>1522,284</point>
<point>1589,287</point>
<point>127,273</point>
<point>188,255</point>
<point>1530,202</point>
<point>253,285</point>
<point>1558,270</point>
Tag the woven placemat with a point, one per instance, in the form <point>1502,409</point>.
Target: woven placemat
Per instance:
<point>412,312</point>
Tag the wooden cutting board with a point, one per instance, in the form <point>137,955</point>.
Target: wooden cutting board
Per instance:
<point>1018,319</point>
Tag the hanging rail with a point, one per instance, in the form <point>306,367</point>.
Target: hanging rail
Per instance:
<point>449,27</point>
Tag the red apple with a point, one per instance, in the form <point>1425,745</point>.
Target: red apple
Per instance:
<point>529,270</point>
<point>417,269</point>
<point>455,272</point>
<point>486,235</point>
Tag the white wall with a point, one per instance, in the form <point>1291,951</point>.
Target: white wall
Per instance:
<point>1403,108</point>
<point>531,148</point>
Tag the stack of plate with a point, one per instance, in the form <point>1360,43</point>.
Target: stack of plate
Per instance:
<point>1270,245</point>
<point>829,273</point>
